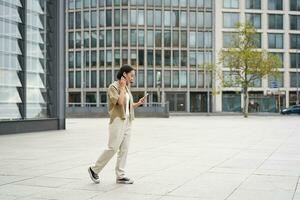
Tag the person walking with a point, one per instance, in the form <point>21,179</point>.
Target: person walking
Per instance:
<point>121,111</point>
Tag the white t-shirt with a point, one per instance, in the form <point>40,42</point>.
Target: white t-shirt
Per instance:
<point>127,104</point>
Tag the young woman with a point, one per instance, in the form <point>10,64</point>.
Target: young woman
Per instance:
<point>121,112</point>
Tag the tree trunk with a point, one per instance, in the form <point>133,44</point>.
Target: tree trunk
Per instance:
<point>246,102</point>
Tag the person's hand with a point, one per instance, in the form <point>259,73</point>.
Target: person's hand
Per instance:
<point>142,100</point>
<point>122,82</point>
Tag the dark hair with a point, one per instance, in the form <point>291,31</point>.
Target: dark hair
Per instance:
<point>125,68</point>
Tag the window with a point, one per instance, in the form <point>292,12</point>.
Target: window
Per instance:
<point>294,60</point>
<point>78,4</point>
<point>167,18</point>
<point>192,79</point>
<point>101,79</point>
<point>117,17</point>
<point>108,58</point>
<point>192,21</point>
<point>192,38</point>
<point>133,37</point>
<point>150,17</point>
<point>133,17</point>
<point>108,38</point>
<point>150,58</point>
<point>101,38</point>
<point>71,20</point>
<point>108,2</point>
<point>71,4</point>
<point>93,58</point>
<point>228,37</point>
<point>78,39</point>
<point>124,38</point>
<point>93,39</point>
<point>157,18</point>
<point>254,19</point>
<point>150,78</point>
<point>175,18</point>
<point>277,80</point>
<point>141,35</point>
<point>294,79</point>
<point>124,56</point>
<point>101,18</point>
<point>275,21</point>
<point>78,59</point>
<point>208,20</point>
<point>253,4</point>
<point>117,38</point>
<point>108,77</point>
<point>175,39</point>
<point>184,58</point>
<point>71,60</point>
<point>93,19</point>
<point>101,58</point>
<point>150,38</point>
<point>208,39</point>
<point>108,18</point>
<point>183,3</point>
<point>257,40</point>
<point>281,58</point>
<point>78,79</point>
<point>124,17</point>
<point>175,78</point>
<point>78,20</point>
<point>295,22</point>
<point>167,78</point>
<point>183,39</point>
<point>141,18</point>
<point>294,41</point>
<point>167,39</point>
<point>275,4</point>
<point>200,19</point>
<point>86,58</point>
<point>231,3</point>
<point>230,20</point>
<point>158,38</point>
<point>295,5</point>
<point>141,57</point>
<point>93,79</point>
<point>117,58</point>
<point>183,78</point>
<point>167,57</point>
<point>86,42</point>
<point>183,19</point>
<point>175,58</point>
<point>141,78</point>
<point>192,58</point>
<point>158,58</point>
<point>71,79</point>
<point>71,40</point>
<point>275,40</point>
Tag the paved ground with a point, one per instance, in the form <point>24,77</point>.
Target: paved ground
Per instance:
<point>180,158</point>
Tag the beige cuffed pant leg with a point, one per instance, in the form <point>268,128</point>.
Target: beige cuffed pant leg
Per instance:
<point>119,137</point>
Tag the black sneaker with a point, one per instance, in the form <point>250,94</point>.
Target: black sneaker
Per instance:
<point>124,181</point>
<point>93,176</point>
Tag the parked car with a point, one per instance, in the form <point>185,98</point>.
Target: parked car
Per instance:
<point>291,110</point>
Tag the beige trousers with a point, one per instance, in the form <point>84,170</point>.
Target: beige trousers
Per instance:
<point>119,136</point>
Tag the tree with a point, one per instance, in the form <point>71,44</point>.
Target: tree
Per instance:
<point>246,62</point>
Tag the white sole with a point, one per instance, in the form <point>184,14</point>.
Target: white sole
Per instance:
<point>91,176</point>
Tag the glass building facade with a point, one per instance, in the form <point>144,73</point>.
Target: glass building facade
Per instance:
<point>167,42</point>
<point>277,24</point>
<point>31,65</point>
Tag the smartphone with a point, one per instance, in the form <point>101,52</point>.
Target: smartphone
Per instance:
<point>146,95</point>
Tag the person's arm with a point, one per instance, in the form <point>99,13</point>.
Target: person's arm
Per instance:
<point>121,96</point>
<point>140,102</point>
